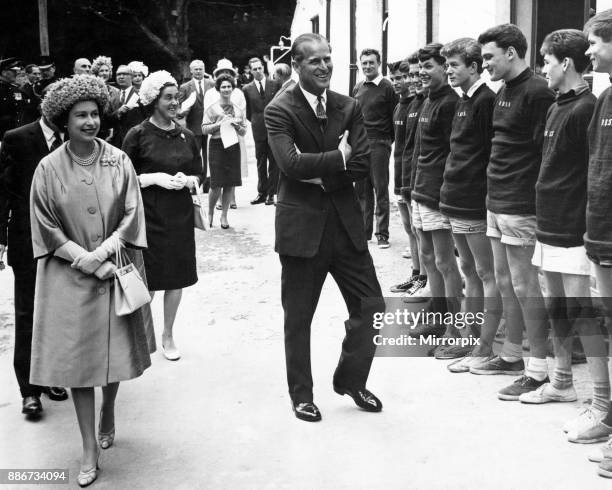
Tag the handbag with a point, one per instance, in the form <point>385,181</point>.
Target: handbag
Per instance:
<point>200,218</point>
<point>131,292</point>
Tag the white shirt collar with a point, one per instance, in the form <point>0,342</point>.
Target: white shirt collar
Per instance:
<point>48,133</point>
<point>472,90</point>
<point>287,82</point>
<point>262,81</point>
<point>312,99</point>
<point>376,81</point>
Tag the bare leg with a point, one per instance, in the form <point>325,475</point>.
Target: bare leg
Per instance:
<point>512,348</point>
<point>213,197</point>
<point>107,414</point>
<point>172,299</point>
<point>84,405</point>
<point>428,259</point>
<point>233,196</point>
<point>446,263</point>
<point>225,203</point>
<point>480,247</point>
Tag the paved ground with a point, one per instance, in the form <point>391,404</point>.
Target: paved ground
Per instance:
<point>220,417</point>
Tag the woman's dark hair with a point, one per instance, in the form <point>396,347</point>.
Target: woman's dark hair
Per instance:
<point>149,109</point>
<point>224,78</point>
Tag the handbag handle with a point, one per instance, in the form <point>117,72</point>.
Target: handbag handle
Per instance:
<point>119,263</point>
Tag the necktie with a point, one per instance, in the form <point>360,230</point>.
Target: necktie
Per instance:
<point>321,114</point>
<point>57,142</point>
<point>122,101</point>
<point>261,90</point>
<point>200,88</point>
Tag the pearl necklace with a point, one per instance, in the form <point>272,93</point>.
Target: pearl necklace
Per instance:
<point>87,161</point>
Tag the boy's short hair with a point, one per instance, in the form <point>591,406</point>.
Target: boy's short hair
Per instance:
<point>404,65</point>
<point>506,35</point>
<point>600,25</point>
<point>467,49</point>
<point>431,51</point>
<point>413,59</point>
<point>368,52</point>
<point>567,43</point>
<point>394,66</point>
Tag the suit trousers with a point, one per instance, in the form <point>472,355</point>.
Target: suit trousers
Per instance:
<point>25,281</point>
<point>376,186</point>
<point>267,170</point>
<point>301,283</point>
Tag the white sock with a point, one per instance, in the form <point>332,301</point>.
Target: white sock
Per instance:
<point>537,369</point>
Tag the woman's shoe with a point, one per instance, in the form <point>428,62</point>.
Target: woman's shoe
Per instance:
<point>105,439</point>
<point>218,207</point>
<point>171,354</point>
<point>86,478</point>
<point>225,227</point>
<point>233,206</point>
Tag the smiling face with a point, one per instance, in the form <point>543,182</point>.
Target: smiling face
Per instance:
<point>83,121</point>
<point>432,74</point>
<point>225,90</point>
<point>600,54</point>
<point>167,104</point>
<point>416,85</point>
<point>104,72</point>
<point>316,67</point>
<point>370,66</point>
<point>496,61</point>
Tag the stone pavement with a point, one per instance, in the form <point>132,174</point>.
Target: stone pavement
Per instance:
<point>220,417</point>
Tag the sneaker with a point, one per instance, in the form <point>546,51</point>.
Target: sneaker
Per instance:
<point>418,293</point>
<point>383,242</point>
<point>463,365</point>
<point>585,419</point>
<point>404,286</point>
<point>598,432</point>
<point>497,365</point>
<point>605,468</point>
<point>601,453</point>
<point>522,385</point>
<point>407,254</point>
<point>548,393</point>
<point>452,351</point>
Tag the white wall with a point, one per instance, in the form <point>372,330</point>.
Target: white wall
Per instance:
<point>467,18</point>
<point>406,28</point>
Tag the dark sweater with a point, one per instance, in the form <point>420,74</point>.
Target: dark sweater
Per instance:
<point>410,137</point>
<point>399,126</point>
<point>377,105</point>
<point>562,183</point>
<point>598,237</point>
<point>435,124</point>
<point>464,190</point>
<point>516,150</point>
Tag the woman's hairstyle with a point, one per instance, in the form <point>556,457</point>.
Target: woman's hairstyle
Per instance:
<point>139,67</point>
<point>224,77</point>
<point>99,62</point>
<point>153,85</point>
<point>62,95</point>
<point>567,43</point>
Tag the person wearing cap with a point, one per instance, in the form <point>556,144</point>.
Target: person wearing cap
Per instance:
<point>139,72</point>
<point>47,77</point>
<point>31,110</point>
<point>12,100</point>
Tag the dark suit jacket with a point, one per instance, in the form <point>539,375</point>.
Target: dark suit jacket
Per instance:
<point>22,149</point>
<point>285,87</point>
<point>256,105</point>
<point>193,120</point>
<point>122,123</point>
<point>301,210</point>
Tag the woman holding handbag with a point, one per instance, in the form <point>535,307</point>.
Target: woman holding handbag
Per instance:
<point>85,204</point>
<point>224,161</point>
<point>169,167</point>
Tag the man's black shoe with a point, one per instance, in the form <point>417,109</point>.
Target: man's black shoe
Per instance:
<point>259,199</point>
<point>270,201</point>
<point>363,398</point>
<point>31,406</point>
<point>307,411</point>
<point>55,393</point>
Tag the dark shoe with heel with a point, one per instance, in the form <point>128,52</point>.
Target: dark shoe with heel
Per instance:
<point>363,398</point>
<point>31,406</point>
<point>260,199</point>
<point>55,393</point>
<point>307,411</point>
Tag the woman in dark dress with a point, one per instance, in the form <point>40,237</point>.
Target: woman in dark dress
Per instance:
<point>224,162</point>
<point>168,165</point>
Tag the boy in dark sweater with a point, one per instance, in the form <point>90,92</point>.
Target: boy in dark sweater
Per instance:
<point>560,215</point>
<point>463,192</point>
<point>433,229</point>
<point>417,291</point>
<point>516,152</point>
<point>598,236</point>
<point>377,100</point>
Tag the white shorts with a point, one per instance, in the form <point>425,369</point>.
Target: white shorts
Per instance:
<point>428,219</point>
<point>572,260</point>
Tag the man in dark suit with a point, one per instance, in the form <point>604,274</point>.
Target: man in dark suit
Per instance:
<point>194,114</point>
<point>258,95</point>
<point>21,151</point>
<point>319,141</point>
<point>125,113</point>
<point>282,75</point>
